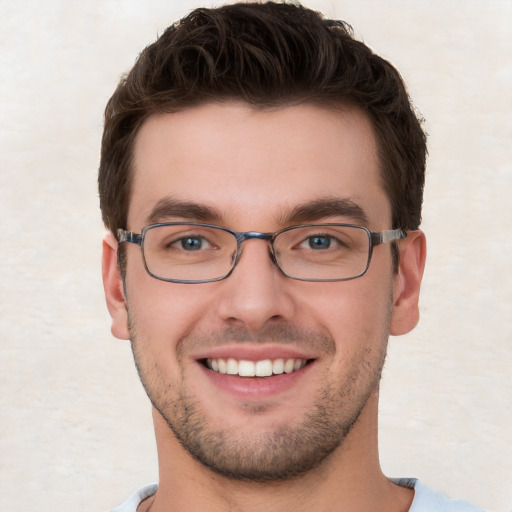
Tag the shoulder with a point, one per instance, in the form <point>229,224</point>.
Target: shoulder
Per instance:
<point>131,504</point>
<point>427,500</point>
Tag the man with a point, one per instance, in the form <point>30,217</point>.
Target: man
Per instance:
<point>262,177</point>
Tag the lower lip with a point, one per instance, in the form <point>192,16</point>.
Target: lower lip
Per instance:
<point>255,387</point>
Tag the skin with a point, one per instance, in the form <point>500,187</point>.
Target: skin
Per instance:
<point>251,169</point>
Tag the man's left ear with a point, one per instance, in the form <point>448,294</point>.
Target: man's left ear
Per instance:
<point>406,288</point>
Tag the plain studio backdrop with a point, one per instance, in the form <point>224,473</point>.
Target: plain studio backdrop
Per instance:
<point>75,424</point>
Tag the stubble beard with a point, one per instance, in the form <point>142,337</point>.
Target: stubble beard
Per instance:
<point>285,452</point>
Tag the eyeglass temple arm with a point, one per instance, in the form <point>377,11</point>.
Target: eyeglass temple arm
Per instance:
<point>387,236</point>
<point>128,236</point>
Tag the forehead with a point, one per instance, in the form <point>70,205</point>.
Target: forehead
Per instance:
<point>251,166</point>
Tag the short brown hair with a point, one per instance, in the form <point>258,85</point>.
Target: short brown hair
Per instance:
<point>267,55</point>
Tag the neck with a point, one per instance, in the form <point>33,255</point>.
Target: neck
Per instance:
<point>348,479</point>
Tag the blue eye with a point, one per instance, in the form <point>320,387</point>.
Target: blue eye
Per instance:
<point>191,243</point>
<point>319,242</point>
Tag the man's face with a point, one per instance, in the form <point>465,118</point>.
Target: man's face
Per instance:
<point>248,170</point>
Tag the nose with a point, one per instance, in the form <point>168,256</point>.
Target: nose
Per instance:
<point>256,293</point>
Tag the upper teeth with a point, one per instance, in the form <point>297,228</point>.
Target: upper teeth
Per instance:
<point>263,368</point>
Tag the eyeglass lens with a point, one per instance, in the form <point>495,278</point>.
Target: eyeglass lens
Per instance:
<point>185,252</point>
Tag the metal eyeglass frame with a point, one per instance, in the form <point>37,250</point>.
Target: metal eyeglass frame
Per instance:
<point>374,238</point>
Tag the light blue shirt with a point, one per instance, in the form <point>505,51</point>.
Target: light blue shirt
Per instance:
<point>425,499</point>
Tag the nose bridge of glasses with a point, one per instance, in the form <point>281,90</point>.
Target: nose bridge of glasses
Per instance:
<point>249,235</point>
<point>254,235</point>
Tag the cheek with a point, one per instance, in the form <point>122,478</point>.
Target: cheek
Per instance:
<point>160,314</point>
<point>355,314</point>
<point>359,323</point>
<point>163,312</point>
<point>349,304</point>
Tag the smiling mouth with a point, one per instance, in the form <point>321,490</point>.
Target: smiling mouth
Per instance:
<point>263,368</point>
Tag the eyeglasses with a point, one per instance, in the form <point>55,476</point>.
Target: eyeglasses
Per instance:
<point>189,252</point>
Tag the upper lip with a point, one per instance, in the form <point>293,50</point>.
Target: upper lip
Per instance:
<point>258,352</point>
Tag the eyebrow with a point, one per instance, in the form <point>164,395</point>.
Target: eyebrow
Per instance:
<point>312,211</point>
<point>169,207</point>
<point>323,208</point>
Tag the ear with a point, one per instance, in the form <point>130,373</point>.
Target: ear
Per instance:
<point>406,288</point>
<point>114,290</point>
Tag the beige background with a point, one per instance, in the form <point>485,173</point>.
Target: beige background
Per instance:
<point>75,426</point>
